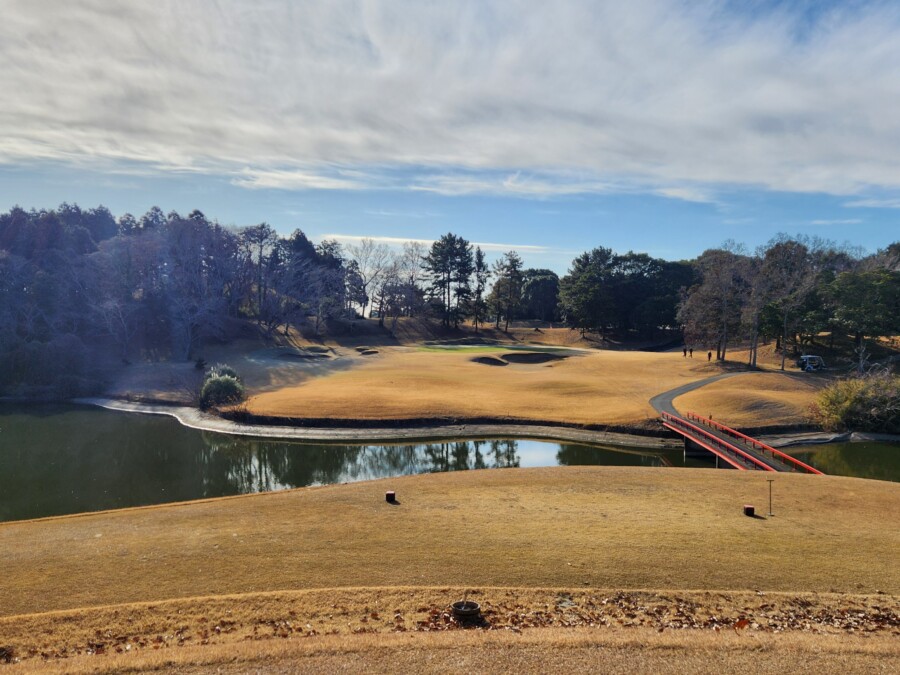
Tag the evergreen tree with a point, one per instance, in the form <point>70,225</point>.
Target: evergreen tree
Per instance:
<point>449,266</point>
<point>585,295</point>
<point>482,275</point>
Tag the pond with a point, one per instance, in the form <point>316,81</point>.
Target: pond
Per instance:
<point>880,461</point>
<point>62,459</point>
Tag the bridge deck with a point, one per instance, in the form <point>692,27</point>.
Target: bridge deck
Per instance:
<point>769,454</point>
<point>736,449</point>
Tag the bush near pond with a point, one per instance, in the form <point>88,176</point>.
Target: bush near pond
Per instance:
<point>222,386</point>
<point>223,369</point>
<point>869,403</point>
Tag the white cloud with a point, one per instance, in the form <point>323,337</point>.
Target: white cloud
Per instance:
<point>687,194</point>
<point>296,180</point>
<point>523,98</point>
<point>845,221</point>
<point>517,184</point>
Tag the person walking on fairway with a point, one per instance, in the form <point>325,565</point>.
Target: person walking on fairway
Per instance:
<point>691,352</point>
<point>684,352</point>
<point>709,356</point>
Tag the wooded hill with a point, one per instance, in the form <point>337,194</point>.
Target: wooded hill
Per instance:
<point>82,292</point>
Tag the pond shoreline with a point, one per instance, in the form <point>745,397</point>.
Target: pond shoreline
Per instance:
<point>197,419</point>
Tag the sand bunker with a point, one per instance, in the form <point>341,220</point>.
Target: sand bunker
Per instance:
<point>463,342</point>
<point>302,355</point>
<point>533,357</point>
<point>490,361</point>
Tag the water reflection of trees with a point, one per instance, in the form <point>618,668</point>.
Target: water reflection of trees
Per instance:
<point>464,455</point>
<point>879,461</point>
<point>236,464</point>
<point>584,455</point>
<point>76,459</point>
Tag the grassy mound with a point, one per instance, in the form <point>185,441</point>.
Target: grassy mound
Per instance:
<point>606,388</point>
<point>596,527</point>
<point>755,399</point>
<point>230,580</point>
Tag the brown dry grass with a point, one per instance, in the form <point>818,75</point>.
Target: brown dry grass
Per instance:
<point>401,383</point>
<point>323,630</point>
<point>756,399</point>
<point>600,527</point>
<point>529,531</point>
<point>585,651</point>
<point>555,650</point>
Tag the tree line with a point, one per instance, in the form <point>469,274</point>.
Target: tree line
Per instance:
<point>77,282</point>
<point>791,290</point>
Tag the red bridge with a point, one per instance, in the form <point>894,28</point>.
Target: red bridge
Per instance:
<point>735,449</point>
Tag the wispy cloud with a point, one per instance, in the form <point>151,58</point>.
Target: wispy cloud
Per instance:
<point>687,194</point>
<point>844,221</point>
<point>874,203</point>
<point>522,98</point>
<point>298,180</point>
<point>385,213</point>
<point>399,241</point>
<point>513,184</point>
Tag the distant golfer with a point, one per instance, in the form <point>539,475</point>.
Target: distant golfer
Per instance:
<point>709,356</point>
<point>691,352</point>
<point>684,352</point>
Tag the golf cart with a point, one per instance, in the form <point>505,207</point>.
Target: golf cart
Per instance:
<point>810,363</point>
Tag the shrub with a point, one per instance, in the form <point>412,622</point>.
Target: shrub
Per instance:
<point>870,403</point>
<point>221,390</point>
<point>223,369</point>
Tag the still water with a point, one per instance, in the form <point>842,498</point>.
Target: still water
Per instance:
<point>57,459</point>
<point>880,461</point>
<point>60,459</point>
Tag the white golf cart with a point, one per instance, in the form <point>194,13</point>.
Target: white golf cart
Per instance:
<point>810,363</point>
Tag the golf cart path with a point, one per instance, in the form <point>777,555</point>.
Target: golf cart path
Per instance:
<point>664,402</point>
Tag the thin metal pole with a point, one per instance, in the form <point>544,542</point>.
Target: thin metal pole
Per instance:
<point>770,495</point>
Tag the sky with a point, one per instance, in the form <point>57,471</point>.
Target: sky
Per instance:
<point>549,128</point>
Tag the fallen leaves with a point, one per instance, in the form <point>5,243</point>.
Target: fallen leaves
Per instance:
<point>507,609</point>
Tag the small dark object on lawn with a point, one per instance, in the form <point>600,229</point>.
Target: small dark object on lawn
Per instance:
<point>466,610</point>
<point>749,510</point>
<point>390,496</point>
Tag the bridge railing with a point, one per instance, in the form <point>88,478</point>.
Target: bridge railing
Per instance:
<point>747,460</point>
<point>761,447</point>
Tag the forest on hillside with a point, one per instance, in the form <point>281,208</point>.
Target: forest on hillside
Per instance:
<point>82,291</point>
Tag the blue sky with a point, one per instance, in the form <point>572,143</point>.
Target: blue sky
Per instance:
<point>549,128</point>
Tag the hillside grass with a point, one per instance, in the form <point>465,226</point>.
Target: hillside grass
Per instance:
<point>222,579</point>
<point>598,527</point>
<point>756,399</point>
<point>611,388</point>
